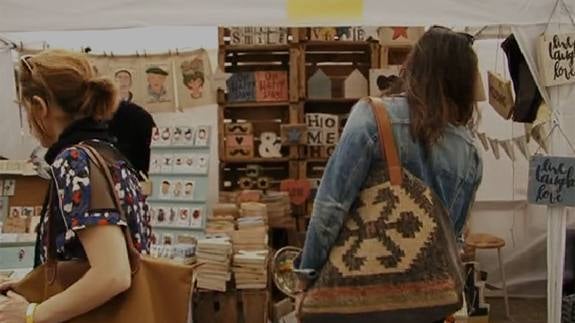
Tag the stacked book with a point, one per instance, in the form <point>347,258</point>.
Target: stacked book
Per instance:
<point>215,255</point>
<point>250,269</point>
<point>222,220</point>
<point>279,209</point>
<point>252,228</point>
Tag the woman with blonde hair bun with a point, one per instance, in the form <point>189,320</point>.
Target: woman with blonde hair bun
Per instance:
<point>67,107</point>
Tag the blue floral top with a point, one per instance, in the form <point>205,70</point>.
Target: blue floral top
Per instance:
<point>71,176</point>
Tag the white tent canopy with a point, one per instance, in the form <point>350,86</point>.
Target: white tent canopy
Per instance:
<point>33,15</point>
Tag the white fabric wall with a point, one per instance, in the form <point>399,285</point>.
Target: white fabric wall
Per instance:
<point>15,142</point>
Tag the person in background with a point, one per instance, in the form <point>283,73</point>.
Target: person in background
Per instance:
<point>430,125</point>
<point>67,104</point>
<point>132,127</point>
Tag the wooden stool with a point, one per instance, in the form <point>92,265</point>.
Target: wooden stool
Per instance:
<point>487,241</point>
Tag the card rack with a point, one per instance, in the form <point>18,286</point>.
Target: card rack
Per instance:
<point>179,168</point>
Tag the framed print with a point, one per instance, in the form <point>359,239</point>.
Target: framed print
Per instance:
<point>197,218</point>
<point>162,216</point>
<point>189,187</point>
<point>9,187</point>
<point>202,136</point>
<point>166,188</point>
<point>173,216</point>
<point>184,217</point>
<point>27,211</point>
<point>178,190</point>
<point>156,163</point>
<point>157,86</point>
<point>125,73</point>
<point>167,163</point>
<point>15,212</point>
<point>194,75</point>
<point>167,239</point>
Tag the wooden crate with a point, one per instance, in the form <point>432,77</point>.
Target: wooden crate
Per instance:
<point>216,307</point>
<point>275,169</point>
<point>254,306</point>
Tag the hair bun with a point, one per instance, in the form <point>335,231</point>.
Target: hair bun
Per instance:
<point>100,102</point>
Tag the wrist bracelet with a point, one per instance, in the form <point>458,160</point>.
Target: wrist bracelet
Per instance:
<point>30,310</point>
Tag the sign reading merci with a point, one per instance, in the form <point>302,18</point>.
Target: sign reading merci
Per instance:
<point>302,10</point>
<point>551,181</point>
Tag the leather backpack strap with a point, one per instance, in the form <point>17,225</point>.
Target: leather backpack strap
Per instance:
<point>101,163</point>
<point>387,140</point>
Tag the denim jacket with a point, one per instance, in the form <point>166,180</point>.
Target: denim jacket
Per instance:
<point>453,170</point>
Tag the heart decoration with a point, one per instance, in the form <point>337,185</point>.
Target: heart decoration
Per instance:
<point>299,190</point>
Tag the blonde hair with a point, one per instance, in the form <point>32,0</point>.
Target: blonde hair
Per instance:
<point>67,79</point>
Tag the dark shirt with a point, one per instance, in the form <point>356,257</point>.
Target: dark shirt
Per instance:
<point>132,126</point>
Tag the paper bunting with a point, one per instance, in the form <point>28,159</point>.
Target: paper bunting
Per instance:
<point>521,143</point>
<point>494,143</point>
<point>483,138</point>
<point>508,148</point>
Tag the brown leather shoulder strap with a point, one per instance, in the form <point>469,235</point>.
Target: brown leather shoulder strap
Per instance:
<point>387,140</point>
<point>99,161</point>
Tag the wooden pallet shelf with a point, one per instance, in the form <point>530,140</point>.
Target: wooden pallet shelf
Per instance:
<point>254,160</point>
<point>255,104</point>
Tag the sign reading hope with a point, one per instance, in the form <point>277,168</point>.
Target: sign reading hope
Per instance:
<point>557,58</point>
<point>552,181</point>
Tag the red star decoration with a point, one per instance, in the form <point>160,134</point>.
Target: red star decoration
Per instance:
<point>399,32</point>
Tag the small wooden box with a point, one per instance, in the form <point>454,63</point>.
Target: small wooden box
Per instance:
<point>245,128</point>
<point>294,134</point>
<point>255,306</point>
<point>239,146</point>
<point>216,307</point>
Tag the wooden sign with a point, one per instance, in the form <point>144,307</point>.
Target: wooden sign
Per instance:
<point>245,128</point>
<point>556,53</point>
<point>327,151</point>
<point>400,36</point>
<point>298,190</point>
<point>294,134</point>
<point>319,86</point>
<point>239,146</point>
<point>241,87</point>
<point>351,34</point>
<point>500,94</point>
<point>551,181</point>
<point>323,129</point>
<point>271,86</point>
<point>355,85</point>
<point>322,33</point>
<point>258,35</point>
<point>380,80</point>
<point>270,145</point>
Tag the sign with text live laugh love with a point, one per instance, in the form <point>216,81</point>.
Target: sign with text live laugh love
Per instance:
<point>557,58</point>
<point>551,181</point>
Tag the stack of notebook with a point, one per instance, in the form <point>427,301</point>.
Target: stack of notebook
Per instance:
<point>215,255</point>
<point>252,228</point>
<point>250,269</point>
<point>279,209</point>
<point>222,219</point>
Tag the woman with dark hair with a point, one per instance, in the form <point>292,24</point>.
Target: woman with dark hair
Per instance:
<point>430,123</point>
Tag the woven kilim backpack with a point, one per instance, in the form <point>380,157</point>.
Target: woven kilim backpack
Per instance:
<point>395,259</point>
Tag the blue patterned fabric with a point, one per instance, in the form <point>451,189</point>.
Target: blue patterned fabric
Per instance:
<point>73,212</point>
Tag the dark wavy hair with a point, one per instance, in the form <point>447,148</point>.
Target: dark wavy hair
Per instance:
<point>439,81</point>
